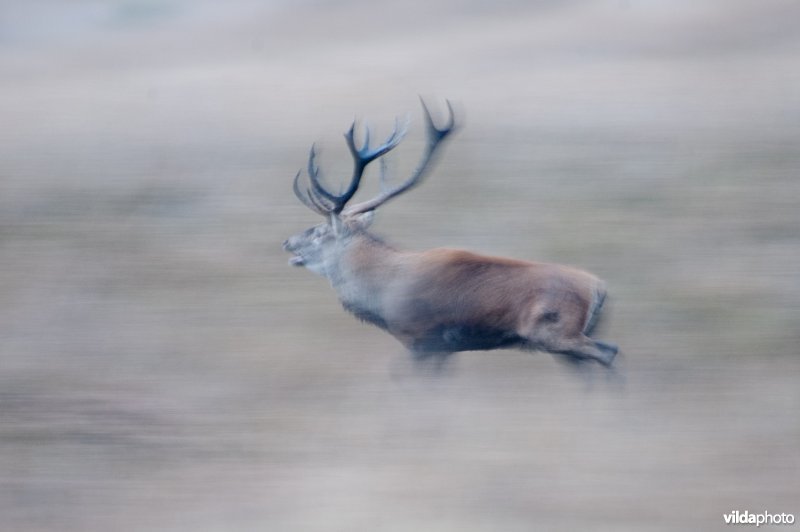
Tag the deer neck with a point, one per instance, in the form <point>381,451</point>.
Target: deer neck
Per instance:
<point>361,274</point>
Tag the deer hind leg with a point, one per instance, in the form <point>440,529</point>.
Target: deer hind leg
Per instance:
<point>584,348</point>
<point>595,311</point>
<point>596,318</point>
<point>564,334</point>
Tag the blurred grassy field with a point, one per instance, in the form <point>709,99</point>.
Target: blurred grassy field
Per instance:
<point>162,368</point>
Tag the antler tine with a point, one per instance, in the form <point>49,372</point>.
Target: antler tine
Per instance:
<point>324,209</point>
<point>314,175</point>
<point>307,197</point>
<point>365,155</point>
<point>320,199</point>
<point>351,143</point>
<point>317,197</point>
<point>435,136</point>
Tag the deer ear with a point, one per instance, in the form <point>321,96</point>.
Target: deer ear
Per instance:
<point>364,220</point>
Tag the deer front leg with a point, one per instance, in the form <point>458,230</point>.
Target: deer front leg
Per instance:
<point>426,355</point>
<point>430,361</point>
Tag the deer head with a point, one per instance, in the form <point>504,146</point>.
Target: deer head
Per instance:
<point>320,247</point>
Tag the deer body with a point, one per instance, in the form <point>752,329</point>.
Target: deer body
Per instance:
<point>442,301</point>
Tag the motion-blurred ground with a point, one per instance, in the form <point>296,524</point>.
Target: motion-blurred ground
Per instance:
<point>162,368</point>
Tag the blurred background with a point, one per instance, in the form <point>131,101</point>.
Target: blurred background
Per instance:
<point>163,368</point>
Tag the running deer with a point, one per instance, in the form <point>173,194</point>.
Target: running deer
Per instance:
<point>441,301</point>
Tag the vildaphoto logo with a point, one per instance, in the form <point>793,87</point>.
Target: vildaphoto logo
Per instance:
<point>764,518</point>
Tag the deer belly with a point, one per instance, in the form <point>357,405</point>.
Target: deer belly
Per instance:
<point>452,338</point>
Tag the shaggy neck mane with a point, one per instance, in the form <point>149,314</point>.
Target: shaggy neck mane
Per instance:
<point>375,240</point>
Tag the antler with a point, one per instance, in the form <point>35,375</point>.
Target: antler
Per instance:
<point>435,137</point>
<point>309,200</point>
<point>321,200</point>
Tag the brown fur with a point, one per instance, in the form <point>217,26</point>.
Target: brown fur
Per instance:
<point>448,300</point>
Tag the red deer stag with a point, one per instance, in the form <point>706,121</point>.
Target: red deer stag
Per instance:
<point>441,301</point>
